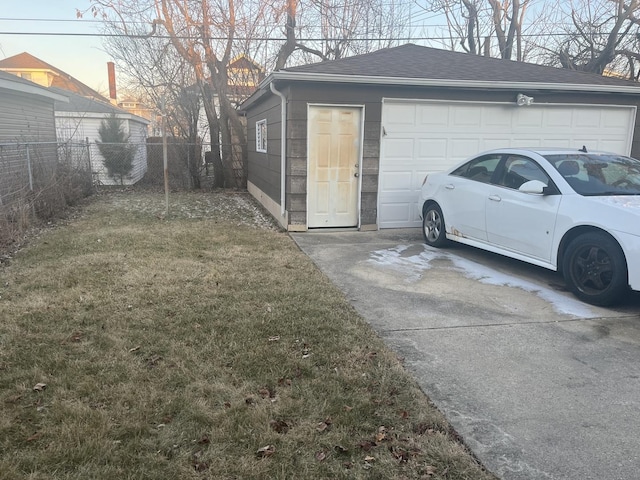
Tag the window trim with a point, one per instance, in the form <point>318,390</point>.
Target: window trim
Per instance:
<point>261,136</point>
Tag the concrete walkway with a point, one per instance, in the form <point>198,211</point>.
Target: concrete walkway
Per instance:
<point>538,384</point>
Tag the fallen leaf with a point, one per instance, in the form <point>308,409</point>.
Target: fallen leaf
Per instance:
<point>399,453</point>
<point>340,449</point>
<point>430,470</point>
<point>321,427</point>
<point>321,456</point>
<point>34,437</point>
<point>264,392</point>
<point>200,466</point>
<point>367,445</point>
<point>266,451</point>
<point>369,459</point>
<point>280,426</point>
<point>204,440</point>
<point>39,387</point>
<point>404,414</point>
<point>275,338</point>
<point>347,408</point>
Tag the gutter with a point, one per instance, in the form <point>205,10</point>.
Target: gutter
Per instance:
<point>34,89</point>
<point>439,82</point>
<point>283,145</point>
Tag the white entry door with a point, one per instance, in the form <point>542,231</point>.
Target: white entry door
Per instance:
<point>334,166</point>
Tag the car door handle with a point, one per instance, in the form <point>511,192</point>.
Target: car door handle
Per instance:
<point>449,186</point>
<point>495,198</point>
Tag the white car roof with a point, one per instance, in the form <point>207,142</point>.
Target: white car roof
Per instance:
<point>548,151</point>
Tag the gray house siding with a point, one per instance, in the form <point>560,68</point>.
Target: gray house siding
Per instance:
<point>26,118</point>
<point>264,169</point>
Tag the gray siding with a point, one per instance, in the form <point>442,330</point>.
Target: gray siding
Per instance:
<point>264,168</point>
<point>26,118</point>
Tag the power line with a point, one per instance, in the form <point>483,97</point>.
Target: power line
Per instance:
<point>265,39</point>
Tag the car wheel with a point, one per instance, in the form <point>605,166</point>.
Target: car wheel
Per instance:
<point>595,269</point>
<point>433,226</point>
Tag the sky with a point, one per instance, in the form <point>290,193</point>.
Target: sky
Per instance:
<point>82,57</point>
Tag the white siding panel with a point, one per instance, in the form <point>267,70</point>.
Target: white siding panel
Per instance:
<point>422,137</point>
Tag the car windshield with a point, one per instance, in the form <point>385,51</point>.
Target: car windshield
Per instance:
<point>598,174</point>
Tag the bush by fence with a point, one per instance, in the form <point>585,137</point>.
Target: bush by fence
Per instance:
<point>38,181</point>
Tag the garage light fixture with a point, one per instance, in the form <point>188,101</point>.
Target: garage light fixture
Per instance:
<point>523,100</point>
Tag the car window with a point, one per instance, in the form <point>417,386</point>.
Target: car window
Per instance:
<point>479,169</point>
<point>599,174</point>
<point>518,170</point>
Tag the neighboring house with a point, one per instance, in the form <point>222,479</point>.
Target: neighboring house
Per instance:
<point>31,68</point>
<point>26,111</point>
<point>79,121</point>
<point>27,139</point>
<point>78,117</point>
<point>140,109</point>
<point>244,76</point>
<point>361,132</point>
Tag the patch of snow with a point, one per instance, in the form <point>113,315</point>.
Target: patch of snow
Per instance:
<point>414,266</point>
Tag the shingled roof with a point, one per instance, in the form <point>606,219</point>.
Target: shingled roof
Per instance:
<point>25,62</point>
<point>416,62</point>
<point>81,104</point>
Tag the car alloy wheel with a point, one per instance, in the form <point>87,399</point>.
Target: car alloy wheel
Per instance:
<point>433,226</point>
<point>595,269</point>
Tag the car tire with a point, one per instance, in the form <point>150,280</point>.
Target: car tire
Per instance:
<point>433,228</point>
<point>595,269</point>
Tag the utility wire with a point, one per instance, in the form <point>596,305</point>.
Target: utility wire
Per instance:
<point>187,37</point>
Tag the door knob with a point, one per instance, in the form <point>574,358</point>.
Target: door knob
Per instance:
<point>356,174</point>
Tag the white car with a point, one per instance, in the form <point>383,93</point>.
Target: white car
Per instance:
<point>571,211</point>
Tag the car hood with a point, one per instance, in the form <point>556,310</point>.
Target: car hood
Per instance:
<point>625,202</point>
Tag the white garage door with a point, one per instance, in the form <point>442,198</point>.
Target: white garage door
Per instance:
<point>429,136</point>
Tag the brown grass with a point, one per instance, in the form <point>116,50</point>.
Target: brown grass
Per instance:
<point>203,345</point>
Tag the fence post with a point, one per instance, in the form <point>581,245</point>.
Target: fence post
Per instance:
<point>29,168</point>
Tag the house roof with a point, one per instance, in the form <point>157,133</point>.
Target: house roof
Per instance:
<point>82,105</point>
<point>414,61</point>
<point>26,62</point>
<point>414,65</point>
<point>17,84</point>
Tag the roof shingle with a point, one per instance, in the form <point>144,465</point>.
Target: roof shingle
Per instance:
<point>418,62</point>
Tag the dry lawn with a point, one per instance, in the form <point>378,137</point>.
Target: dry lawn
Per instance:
<point>201,345</point>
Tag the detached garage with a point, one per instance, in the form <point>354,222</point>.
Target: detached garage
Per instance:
<point>361,133</point>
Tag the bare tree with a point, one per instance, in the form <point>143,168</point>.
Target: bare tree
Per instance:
<point>598,35</point>
<point>207,34</point>
<point>473,24</point>
<point>331,29</point>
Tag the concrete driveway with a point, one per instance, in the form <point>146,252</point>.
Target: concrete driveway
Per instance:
<point>538,384</point>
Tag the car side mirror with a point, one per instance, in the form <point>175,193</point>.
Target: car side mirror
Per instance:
<point>533,186</point>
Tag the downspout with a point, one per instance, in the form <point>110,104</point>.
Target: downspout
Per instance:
<point>283,145</point>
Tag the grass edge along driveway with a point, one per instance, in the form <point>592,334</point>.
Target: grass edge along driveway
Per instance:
<point>201,345</point>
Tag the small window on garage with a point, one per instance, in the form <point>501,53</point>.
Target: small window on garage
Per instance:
<point>261,136</point>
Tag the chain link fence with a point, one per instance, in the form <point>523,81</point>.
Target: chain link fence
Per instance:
<point>193,165</point>
<point>39,180</point>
